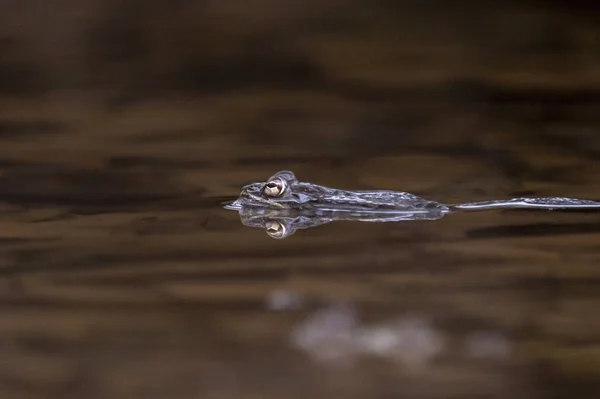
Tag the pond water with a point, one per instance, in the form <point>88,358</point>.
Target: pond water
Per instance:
<point>122,275</point>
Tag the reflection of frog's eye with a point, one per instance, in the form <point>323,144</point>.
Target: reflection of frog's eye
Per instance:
<point>275,229</point>
<point>275,188</point>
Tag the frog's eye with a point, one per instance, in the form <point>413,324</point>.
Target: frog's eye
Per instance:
<point>275,188</point>
<point>276,229</point>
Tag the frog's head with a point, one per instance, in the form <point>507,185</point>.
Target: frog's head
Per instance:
<point>282,190</point>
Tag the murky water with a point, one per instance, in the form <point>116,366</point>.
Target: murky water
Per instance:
<point>122,276</point>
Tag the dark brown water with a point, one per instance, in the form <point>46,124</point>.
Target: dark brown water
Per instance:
<point>123,125</point>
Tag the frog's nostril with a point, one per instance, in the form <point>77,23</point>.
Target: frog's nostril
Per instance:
<point>249,188</point>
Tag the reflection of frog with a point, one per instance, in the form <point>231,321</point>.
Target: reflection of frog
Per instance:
<point>282,223</point>
<point>283,204</point>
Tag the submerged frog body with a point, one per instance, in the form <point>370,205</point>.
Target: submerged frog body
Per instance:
<point>284,191</point>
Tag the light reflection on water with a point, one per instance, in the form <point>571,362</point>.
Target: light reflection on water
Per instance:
<point>335,335</point>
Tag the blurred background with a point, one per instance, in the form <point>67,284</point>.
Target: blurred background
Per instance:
<point>124,123</point>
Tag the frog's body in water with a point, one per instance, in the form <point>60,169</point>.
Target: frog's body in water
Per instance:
<point>284,191</point>
<point>307,205</point>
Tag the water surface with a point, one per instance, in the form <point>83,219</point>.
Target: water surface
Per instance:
<point>124,127</point>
